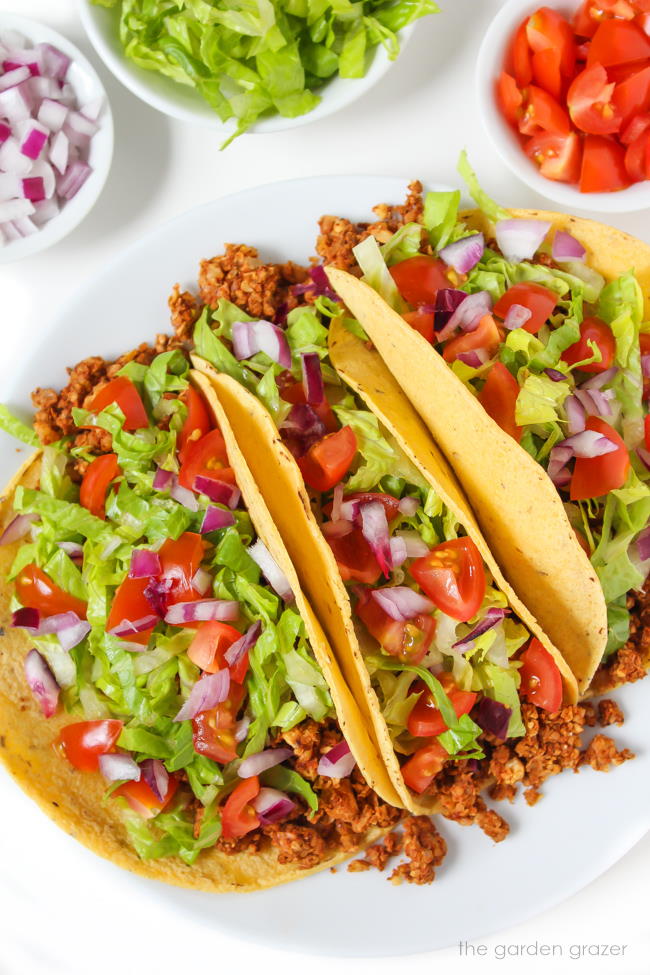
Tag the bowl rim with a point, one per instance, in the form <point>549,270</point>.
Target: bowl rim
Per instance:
<point>488,65</point>
<point>135,80</point>
<point>69,217</point>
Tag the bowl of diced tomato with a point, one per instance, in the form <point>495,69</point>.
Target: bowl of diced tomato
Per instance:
<point>564,91</point>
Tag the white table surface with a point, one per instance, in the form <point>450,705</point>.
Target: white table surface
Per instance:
<point>411,125</point>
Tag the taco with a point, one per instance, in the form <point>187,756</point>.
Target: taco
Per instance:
<point>537,358</point>
<point>154,613</point>
<point>431,639</point>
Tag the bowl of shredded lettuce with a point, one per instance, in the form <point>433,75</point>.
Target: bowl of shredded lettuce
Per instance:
<point>250,65</point>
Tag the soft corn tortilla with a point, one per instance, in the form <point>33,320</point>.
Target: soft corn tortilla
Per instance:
<point>74,800</point>
<point>276,471</point>
<point>516,505</point>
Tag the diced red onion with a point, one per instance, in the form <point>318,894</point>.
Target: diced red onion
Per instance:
<point>269,758</point>
<point>129,627</point>
<point>202,610</point>
<point>73,179</point>
<point>17,528</point>
<point>567,248</point>
<point>337,529</point>
<point>93,108</point>
<point>312,378</point>
<point>555,375</point>
<point>468,314</point>
<point>446,303</point>
<point>236,650</point>
<point>271,805</point>
<point>600,379</point>
<point>302,428</point>
<point>209,690</point>
<point>575,414</point>
<point>249,338</point>
<point>218,491</point>
<point>338,762</point>
<point>25,226</point>
<point>643,544</point>
<point>55,62</point>
<point>595,402</point>
<point>80,129</point>
<point>144,564</point>
<point>337,501</point>
<point>117,767</point>
<point>26,617</point>
<point>156,776</point>
<point>519,240</point>
<point>374,528</point>
<point>516,317</point>
<point>5,132</point>
<point>398,553</point>
<point>45,211</point>
<point>416,547</point>
<point>493,717</point>
<point>491,619</point>
<point>156,593</point>
<point>474,358</point>
<point>16,103</point>
<point>645,366</point>
<point>408,506</point>
<point>33,188</point>
<point>162,479</point>
<point>201,581</point>
<point>66,626</point>
<point>59,153</point>
<point>241,728</point>
<point>52,114</point>
<point>317,285</point>
<point>557,470</point>
<point>12,160</point>
<point>464,254</point>
<point>33,141</point>
<point>42,683</point>
<point>14,77</point>
<point>15,209</point>
<point>644,456</point>
<point>402,603</point>
<point>270,570</point>
<point>45,88</point>
<point>73,550</point>
<point>183,495</point>
<point>589,443</point>
<point>215,519</point>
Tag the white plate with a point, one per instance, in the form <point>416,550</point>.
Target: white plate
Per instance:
<point>584,823</point>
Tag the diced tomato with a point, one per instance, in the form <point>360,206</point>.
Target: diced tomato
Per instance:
<point>122,392</point>
<point>548,30</point>
<point>206,458</point>
<point>509,97</point>
<point>617,42</point>
<point>538,300</point>
<point>130,603</point>
<point>634,128</point>
<point>453,576</point>
<point>197,423</point>
<point>541,681</point>
<point>592,12</point>
<point>542,112</point>
<point>328,461</point>
<point>213,733</point>
<point>422,322</point>
<point>180,560</point>
<point>84,741</point>
<point>419,278</point>
<point>99,474</point>
<point>499,399</point>
<point>35,589</point>
<point>520,57</point>
<point>646,430</point>
<point>238,817</point>
<point>590,102</point>
<point>425,720</point>
<point>547,72</point>
<point>208,647</point>
<point>631,97</point>
<point>143,800</point>
<point>603,166</point>
<point>592,330</point>
<point>596,476</point>
<point>355,558</point>
<point>486,336</point>
<point>409,640</point>
<point>558,156</point>
<point>292,391</point>
<point>637,158</point>
<point>422,767</point>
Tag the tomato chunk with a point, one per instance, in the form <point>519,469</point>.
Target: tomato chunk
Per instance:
<point>328,461</point>
<point>425,720</point>
<point>99,474</point>
<point>558,156</point>
<point>35,589</point>
<point>131,604</point>
<point>213,731</point>
<point>591,105</point>
<point>422,767</point>
<point>206,457</point>
<point>238,817</point>
<point>592,330</point>
<point>617,42</point>
<point>486,337</point>
<point>409,640</point>
<point>453,576</point>
<point>292,391</point>
<point>143,800</point>
<point>509,97</point>
<point>208,647</point>
<point>180,560</point>
<point>538,300</point>
<point>543,112</point>
<point>541,681</point>
<point>197,423</point>
<point>422,322</point>
<point>123,393</point>
<point>632,96</point>
<point>420,278</point>
<point>499,399</point>
<point>595,476</point>
<point>84,741</point>
<point>603,166</point>
<point>355,558</point>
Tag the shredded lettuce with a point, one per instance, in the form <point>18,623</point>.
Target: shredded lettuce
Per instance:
<point>16,428</point>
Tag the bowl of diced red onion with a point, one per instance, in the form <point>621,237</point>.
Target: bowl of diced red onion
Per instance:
<point>56,137</point>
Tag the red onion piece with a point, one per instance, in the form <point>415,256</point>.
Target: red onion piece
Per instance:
<point>162,479</point>
<point>555,375</point>
<point>269,758</point>
<point>398,552</point>
<point>402,603</point>
<point>55,62</point>
<point>464,254</point>
<point>27,618</point>
<point>337,501</point>
<point>42,683</point>
<point>215,519</point>
<point>446,303</point>
<point>129,627</point>
<point>66,626</point>
<point>270,570</point>
<point>491,619</point>
<point>468,314</point>
<point>34,140</point>
<point>73,179</point>
<point>249,338</point>
<point>117,767</point>
<point>210,690</point>
<point>589,443</point>
<point>493,717</point>
<point>59,153</point>
<point>156,594</point>
<point>33,188</point>
<point>156,776</point>
<point>643,544</point>
<point>144,564</point>
<point>338,762</point>
<point>17,528</point>
<point>408,506</point>
<point>600,379</point>
<point>374,528</point>
<point>201,581</point>
<point>474,358</point>
<point>519,240</point>
<point>16,103</point>
<point>567,248</point>
<point>302,428</point>
<point>218,491</point>
<point>13,77</point>
<point>516,317</point>
<point>183,495</point>
<point>415,546</point>
<point>11,210</point>
<point>80,129</point>
<point>337,529</point>
<point>575,414</point>
<point>312,378</point>
<point>241,728</point>
<point>645,366</point>
<point>5,132</point>
<point>236,650</point>
<point>318,285</point>
<point>202,610</point>
<point>271,805</point>
<point>74,550</point>
<point>595,402</point>
<point>52,114</point>
<point>557,470</point>
<point>644,456</point>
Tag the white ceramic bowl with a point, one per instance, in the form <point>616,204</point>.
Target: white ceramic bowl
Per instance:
<point>85,81</point>
<point>488,68</point>
<point>184,103</point>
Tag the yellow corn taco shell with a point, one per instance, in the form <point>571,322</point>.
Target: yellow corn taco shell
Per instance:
<point>280,479</point>
<point>74,799</point>
<point>516,505</point>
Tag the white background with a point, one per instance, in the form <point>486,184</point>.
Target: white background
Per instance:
<point>411,125</point>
